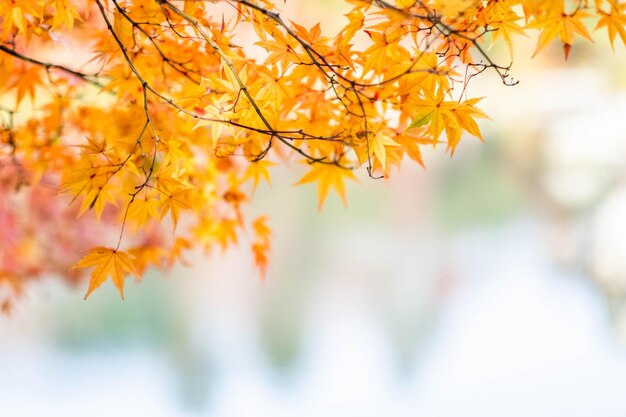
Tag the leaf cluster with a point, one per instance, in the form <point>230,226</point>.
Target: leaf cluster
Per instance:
<point>165,129</point>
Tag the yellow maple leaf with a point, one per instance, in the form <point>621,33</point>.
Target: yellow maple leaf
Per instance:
<point>174,199</point>
<point>506,27</point>
<point>262,230</point>
<point>410,145</point>
<point>559,23</point>
<point>123,28</point>
<point>328,176</point>
<point>433,111</point>
<point>107,262</point>
<point>143,209</point>
<point>16,14</point>
<point>615,20</point>
<point>26,83</point>
<point>356,19</point>
<point>145,256</point>
<point>65,15</point>
<point>256,171</point>
<point>385,50</point>
<point>466,114</point>
<point>91,181</point>
<point>378,145</point>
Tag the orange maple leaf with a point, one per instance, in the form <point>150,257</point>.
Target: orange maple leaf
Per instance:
<point>107,262</point>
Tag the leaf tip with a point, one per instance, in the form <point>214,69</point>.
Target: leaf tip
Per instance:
<point>566,49</point>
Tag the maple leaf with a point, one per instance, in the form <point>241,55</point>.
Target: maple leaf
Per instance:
<point>347,33</point>
<point>213,231</point>
<point>90,180</point>
<point>107,262</point>
<point>410,145</point>
<point>614,21</point>
<point>26,83</point>
<point>261,229</point>
<point>533,7</point>
<point>386,49</point>
<point>466,114</point>
<point>174,199</point>
<point>256,171</point>
<point>506,27</point>
<point>16,14</point>
<point>123,28</point>
<point>262,244</point>
<point>65,15</point>
<point>260,257</point>
<point>281,49</point>
<point>558,23</point>
<point>433,111</point>
<point>378,144</point>
<point>145,256</point>
<point>143,209</point>
<point>327,177</point>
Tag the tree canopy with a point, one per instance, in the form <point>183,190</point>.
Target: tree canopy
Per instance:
<point>133,131</point>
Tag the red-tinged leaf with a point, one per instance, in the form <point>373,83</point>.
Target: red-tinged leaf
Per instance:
<point>567,48</point>
<point>260,252</point>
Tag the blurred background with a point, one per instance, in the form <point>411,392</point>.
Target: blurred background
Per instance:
<point>490,284</point>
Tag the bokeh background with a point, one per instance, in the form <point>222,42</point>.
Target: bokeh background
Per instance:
<point>490,284</point>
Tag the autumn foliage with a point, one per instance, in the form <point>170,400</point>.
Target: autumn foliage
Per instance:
<point>133,131</point>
